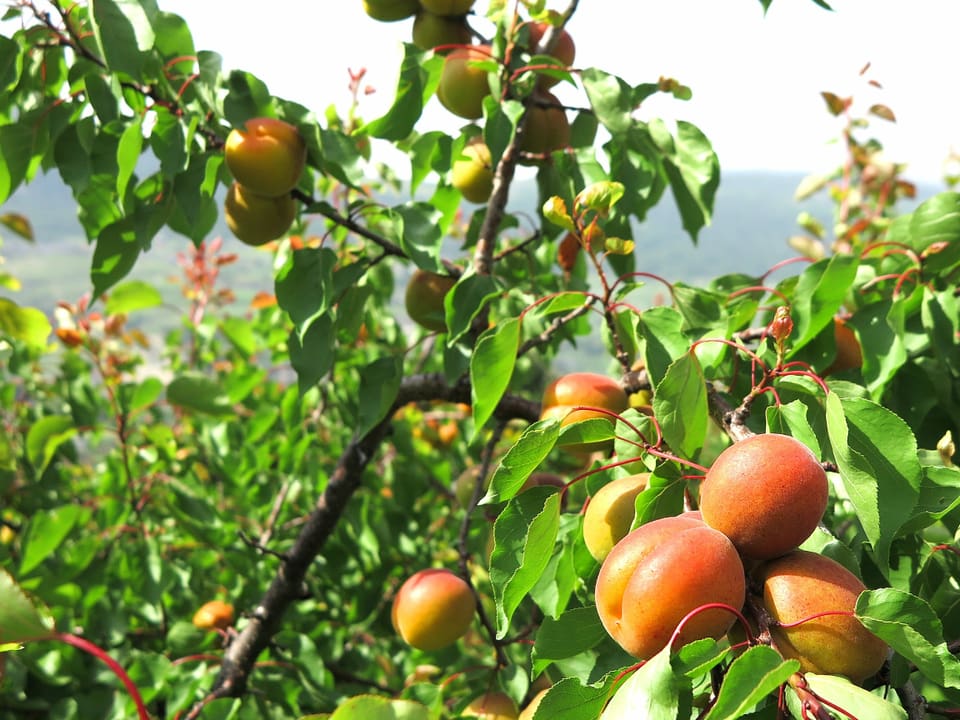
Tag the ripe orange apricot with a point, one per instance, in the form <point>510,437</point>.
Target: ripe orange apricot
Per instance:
<point>849,353</point>
<point>802,584</point>
<point>610,513</point>
<point>658,574</point>
<point>424,299</point>
<point>463,84</point>
<point>587,389</point>
<point>214,614</point>
<point>766,493</point>
<point>564,51</point>
<point>531,709</point>
<point>433,609</point>
<point>492,705</point>
<point>267,156</point>
<point>256,219</point>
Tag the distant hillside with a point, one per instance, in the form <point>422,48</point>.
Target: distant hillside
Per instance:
<point>754,215</point>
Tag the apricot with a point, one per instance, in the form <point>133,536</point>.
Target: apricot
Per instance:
<point>433,609</point>
<point>531,709</point>
<point>267,156</point>
<point>431,30</point>
<point>610,513</point>
<point>492,705</point>
<point>390,10</point>
<point>447,7</point>
<point>256,219</point>
<point>564,51</point>
<point>464,84</point>
<point>547,126</point>
<point>215,614</point>
<point>658,574</point>
<point>424,299</point>
<point>803,584</point>
<point>766,493</point>
<point>849,353</point>
<point>587,389</point>
<point>472,173</point>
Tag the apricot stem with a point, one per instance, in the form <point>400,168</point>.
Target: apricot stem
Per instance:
<point>711,606</point>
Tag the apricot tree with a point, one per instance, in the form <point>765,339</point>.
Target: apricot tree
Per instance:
<point>225,510</point>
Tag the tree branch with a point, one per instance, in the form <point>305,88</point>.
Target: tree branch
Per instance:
<point>265,619</point>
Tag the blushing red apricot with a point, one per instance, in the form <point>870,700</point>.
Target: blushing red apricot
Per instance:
<point>658,574</point>
<point>802,584</point>
<point>766,493</point>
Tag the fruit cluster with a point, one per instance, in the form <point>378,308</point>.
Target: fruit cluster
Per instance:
<point>442,26</point>
<point>266,159</point>
<point>665,581</point>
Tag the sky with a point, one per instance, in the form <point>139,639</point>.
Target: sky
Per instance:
<point>756,78</point>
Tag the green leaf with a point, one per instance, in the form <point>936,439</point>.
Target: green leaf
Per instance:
<point>569,699</point>
<point>420,234</point>
<point>611,99</point>
<point>372,707</point>
<point>17,143</point>
<point>45,436</point>
<point>21,619</point>
<point>531,449</point>
<point>574,632</point>
<point>853,699</point>
<point>491,367</point>
<point>131,296</point>
<point>115,255</point>
<point>11,63</point>
<point>312,352</point>
<point>680,404</point>
<point>524,535</point>
<point>419,76</point>
<point>379,385</point>
<point>910,626</point>
<point>465,301</point>
<point>128,154</point>
<point>241,334</point>
<point>693,170</point>
<point>124,32</point>
<point>936,220</point>
<point>26,324</point>
<point>599,197</point>
<point>818,296</point>
<point>198,393</point>
<point>654,692</point>
<point>46,531</point>
<point>662,329</point>
<point>791,419</point>
<point>304,286</point>
<point>876,454</point>
<point>759,671</point>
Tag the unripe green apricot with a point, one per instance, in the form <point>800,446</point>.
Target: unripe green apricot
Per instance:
<point>610,513</point>
<point>255,219</point>
<point>658,574</point>
<point>431,30</point>
<point>433,609</point>
<point>447,7</point>
<point>463,84</point>
<point>424,299</point>
<point>472,173</point>
<point>802,584</point>
<point>390,10</point>
<point>766,493</point>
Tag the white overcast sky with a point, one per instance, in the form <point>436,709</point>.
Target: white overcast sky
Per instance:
<point>756,79</point>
